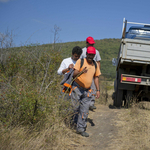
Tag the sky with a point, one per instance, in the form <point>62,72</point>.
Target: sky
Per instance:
<point>33,21</point>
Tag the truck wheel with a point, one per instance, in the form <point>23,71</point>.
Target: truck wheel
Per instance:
<point>118,98</point>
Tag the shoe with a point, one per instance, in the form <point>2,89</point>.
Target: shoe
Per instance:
<point>85,134</point>
<point>92,107</point>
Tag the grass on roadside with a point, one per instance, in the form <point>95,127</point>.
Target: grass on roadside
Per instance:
<point>134,129</point>
<point>32,113</point>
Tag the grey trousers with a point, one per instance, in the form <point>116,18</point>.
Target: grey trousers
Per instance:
<point>93,87</point>
<point>81,99</point>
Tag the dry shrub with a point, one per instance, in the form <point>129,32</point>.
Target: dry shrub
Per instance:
<point>134,130</point>
<point>50,137</point>
<point>106,90</point>
<point>144,105</point>
<point>27,83</point>
<point>50,131</point>
<point>32,115</point>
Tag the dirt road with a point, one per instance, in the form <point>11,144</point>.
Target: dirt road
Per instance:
<point>101,128</point>
<point>116,129</point>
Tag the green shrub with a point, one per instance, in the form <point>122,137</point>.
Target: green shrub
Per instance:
<point>28,81</point>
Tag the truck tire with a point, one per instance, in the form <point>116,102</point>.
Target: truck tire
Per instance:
<point>118,92</point>
<point>118,98</point>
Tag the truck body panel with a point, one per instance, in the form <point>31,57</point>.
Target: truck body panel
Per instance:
<point>133,65</point>
<point>134,51</point>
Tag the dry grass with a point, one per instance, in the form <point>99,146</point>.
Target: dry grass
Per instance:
<point>50,137</point>
<point>133,130</point>
<point>106,90</point>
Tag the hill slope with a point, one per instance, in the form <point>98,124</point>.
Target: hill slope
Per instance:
<point>108,49</point>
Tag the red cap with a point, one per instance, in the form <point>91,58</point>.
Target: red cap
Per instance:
<point>91,50</point>
<point>90,40</point>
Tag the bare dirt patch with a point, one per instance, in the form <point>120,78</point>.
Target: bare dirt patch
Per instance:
<point>101,128</point>
<point>116,129</point>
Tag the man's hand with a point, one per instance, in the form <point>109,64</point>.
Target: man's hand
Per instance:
<point>85,70</point>
<point>71,66</point>
<point>77,73</point>
<point>97,94</point>
<point>67,69</point>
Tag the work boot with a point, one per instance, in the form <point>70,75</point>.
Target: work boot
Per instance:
<point>92,107</point>
<point>85,134</point>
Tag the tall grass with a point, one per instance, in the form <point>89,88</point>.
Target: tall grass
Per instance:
<point>134,129</point>
<point>32,113</point>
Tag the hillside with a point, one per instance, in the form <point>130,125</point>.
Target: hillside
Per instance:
<point>108,49</point>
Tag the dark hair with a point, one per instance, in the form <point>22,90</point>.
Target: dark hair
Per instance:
<point>77,50</point>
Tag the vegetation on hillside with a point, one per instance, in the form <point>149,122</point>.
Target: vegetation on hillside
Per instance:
<point>30,90</point>
<point>108,49</point>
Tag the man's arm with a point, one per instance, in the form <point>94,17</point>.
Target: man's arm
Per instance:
<point>96,81</point>
<point>78,73</point>
<point>98,58</point>
<point>64,67</point>
<point>67,69</point>
<point>99,64</point>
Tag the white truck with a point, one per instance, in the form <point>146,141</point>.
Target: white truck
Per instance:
<point>133,65</point>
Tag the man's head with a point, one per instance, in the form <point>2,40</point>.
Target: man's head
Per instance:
<point>90,41</point>
<point>91,51</point>
<point>76,52</point>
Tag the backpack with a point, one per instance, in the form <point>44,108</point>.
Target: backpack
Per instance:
<point>67,80</point>
<point>82,61</point>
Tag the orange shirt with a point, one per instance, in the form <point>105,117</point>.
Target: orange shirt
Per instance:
<point>85,80</point>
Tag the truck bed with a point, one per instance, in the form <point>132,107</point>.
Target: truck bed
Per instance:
<point>135,51</point>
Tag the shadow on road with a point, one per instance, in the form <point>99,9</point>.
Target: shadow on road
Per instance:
<point>113,107</point>
<point>91,121</point>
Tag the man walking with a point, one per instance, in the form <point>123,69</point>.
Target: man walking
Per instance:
<point>66,66</point>
<point>90,42</point>
<point>81,88</point>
